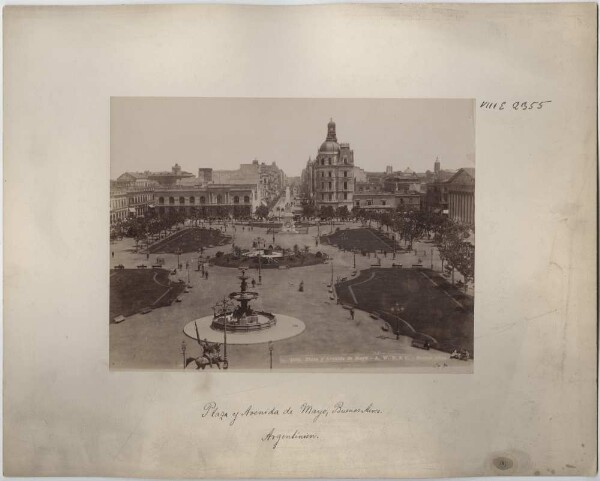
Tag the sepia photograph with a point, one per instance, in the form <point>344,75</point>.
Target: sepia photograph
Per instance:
<point>295,234</point>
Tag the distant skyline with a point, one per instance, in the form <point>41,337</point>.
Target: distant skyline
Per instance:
<point>222,133</point>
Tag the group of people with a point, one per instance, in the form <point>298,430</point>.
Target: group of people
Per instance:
<point>461,354</point>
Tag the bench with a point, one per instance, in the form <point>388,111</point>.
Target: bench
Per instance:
<point>142,266</point>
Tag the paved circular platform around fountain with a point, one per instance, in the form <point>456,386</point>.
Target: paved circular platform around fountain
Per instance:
<point>285,328</point>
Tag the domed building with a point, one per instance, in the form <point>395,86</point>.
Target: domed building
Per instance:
<point>332,176</point>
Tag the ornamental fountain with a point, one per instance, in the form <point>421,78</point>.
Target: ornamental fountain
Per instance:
<point>243,318</point>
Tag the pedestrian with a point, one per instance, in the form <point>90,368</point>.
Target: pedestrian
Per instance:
<point>352,313</point>
<point>113,254</point>
<point>206,275</point>
<point>253,282</point>
<point>147,255</point>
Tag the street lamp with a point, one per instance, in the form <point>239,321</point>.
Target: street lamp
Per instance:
<point>270,354</point>
<point>354,252</point>
<point>396,310</point>
<point>259,271</point>
<point>178,252</point>
<point>183,348</point>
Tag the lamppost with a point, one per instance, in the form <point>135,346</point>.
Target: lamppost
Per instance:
<point>396,310</point>
<point>432,258</point>
<point>225,361</point>
<point>259,271</point>
<point>270,354</point>
<point>183,348</point>
<point>178,252</point>
<point>354,252</point>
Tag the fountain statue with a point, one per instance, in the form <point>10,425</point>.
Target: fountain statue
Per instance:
<point>242,318</point>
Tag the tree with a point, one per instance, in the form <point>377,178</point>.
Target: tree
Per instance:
<point>262,211</point>
<point>342,212</point>
<point>308,210</point>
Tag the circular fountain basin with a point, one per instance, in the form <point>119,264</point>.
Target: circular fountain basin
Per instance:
<point>284,328</point>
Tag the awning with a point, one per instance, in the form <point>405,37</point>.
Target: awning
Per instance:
<point>132,210</point>
<point>151,206</point>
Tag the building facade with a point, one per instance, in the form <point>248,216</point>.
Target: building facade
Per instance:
<point>207,200</point>
<point>329,179</point>
<point>461,196</point>
<point>379,200</point>
<point>131,200</point>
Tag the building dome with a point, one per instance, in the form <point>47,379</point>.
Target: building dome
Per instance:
<point>329,146</point>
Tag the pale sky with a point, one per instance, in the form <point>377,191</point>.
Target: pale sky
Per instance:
<point>155,133</point>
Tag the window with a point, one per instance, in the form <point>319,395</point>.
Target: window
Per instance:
<point>219,199</point>
<point>329,173</point>
<point>345,196</point>
<point>369,202</point>
<point>329,161</point>
<point>357,203</point>
<point>345,173</point>
<point>383,202</point>
<point>345,185</point>
<point>203,200</point>
<point>322,161</point>
<point>161,200</point>
<point>171,200</point>
<point>192,200</point>
<point>346,160</point>
<point>329,185</point>
<point>236,200</point>
<point>246,199</point>
<point>182,200</point>
<point>322,185</point>
<point>330,196</point>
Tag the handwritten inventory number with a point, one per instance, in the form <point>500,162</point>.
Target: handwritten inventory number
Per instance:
<point>518,105</point>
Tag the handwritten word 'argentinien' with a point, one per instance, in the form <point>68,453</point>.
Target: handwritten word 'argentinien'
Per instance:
<point>275,437</point>
<point>517,105</point>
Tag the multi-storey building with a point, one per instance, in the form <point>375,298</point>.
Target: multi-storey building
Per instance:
<point>330,177</point>
<point>208,200</point>
<point>272,181</point>
<point>380,200</point>
<point>461,196</point>
<point>118,204</point>
<point>130,201</point>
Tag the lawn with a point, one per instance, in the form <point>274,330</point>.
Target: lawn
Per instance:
<point>189,240</point>
<point>431,306</point>
<point>363,239</point>
<point>132,290</point>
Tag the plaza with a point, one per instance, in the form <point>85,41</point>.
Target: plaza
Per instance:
<point>331,338</point>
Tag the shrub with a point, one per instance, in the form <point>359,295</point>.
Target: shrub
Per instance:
<point>319,254</point>
<point>219,254</point>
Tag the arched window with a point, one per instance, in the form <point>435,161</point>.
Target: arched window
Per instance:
<point>236,200</point>
<point>219,199</point>
<point>161,200</point>
<point>246,199</point>
<point>192,200</point>
<point>203,200</point>
<point>346,160</point>
<point>322,161</point>
<point>182,200</point>
<point>171,200</point>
